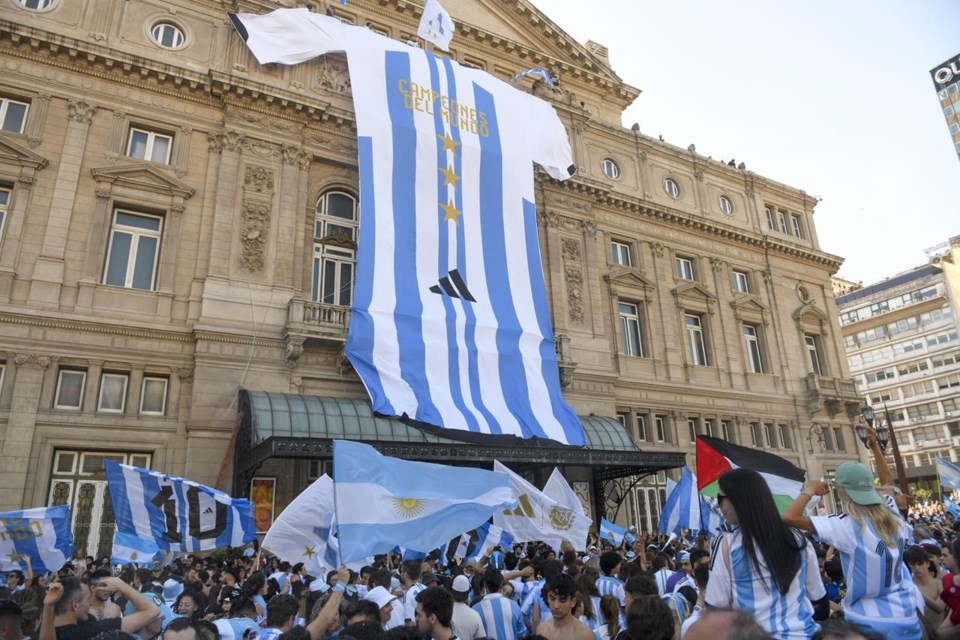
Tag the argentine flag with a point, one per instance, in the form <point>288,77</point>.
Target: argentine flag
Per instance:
<point>174,513</point>
<point>129,548</point>
<point>385,502</point>
<point>42,534</point>
<point>449,324</point>
<point>612,533</point>
<point>949,474</point>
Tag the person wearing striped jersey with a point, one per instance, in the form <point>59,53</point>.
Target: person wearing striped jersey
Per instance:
<point>764,568</point>
<point>500,615</point>
<point>609,584</point>
<point>870,537</point>
<point>410,574</point>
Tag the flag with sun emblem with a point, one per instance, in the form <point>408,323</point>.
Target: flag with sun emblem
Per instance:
<point>385,502</point>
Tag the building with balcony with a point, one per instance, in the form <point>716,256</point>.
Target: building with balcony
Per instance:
<point>178,246</point>
<point>901,338</point>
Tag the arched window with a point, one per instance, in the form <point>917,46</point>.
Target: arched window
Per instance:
<point>167,35</point>
<point>335,248</point>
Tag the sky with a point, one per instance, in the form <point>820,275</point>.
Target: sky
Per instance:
<point>832,97</point>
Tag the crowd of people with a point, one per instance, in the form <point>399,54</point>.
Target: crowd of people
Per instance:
<point>863,573</point>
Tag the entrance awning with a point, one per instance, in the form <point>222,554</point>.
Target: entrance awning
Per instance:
<point>285,425</point>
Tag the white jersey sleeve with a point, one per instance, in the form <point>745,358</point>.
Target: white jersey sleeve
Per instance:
<point>549,143</point>
<point>289,36</point>
<point>720,586</point>
<point>814,583</point>
<point>836,531</point>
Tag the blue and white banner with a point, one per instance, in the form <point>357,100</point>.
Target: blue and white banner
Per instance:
<point>476,543</point>
<point>128,548</point>
<point>41,534</point>
<point>612,533</point>
<point>305,530</point>
<point>685,508</point>
<point>175,513</point>
<point>949,474</point>
<point>450,324</point>
<point>951,507</point>
<point>536,72</point>
<point>384,502</point>
<point>436,25</point>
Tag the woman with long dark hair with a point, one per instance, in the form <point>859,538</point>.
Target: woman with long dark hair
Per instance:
<point>763,567</point>
<point>255,588</point>
<point>870,537</point>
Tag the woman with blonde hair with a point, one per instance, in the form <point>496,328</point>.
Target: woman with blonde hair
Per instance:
<point>870,536</point>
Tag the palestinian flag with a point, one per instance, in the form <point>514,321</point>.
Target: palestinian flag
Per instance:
<point>715,457</point>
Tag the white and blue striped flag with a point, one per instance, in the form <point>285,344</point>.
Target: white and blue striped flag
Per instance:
<point>685,508</point>
<point>128,548</point>
<point>175,513</point>
<point>611,533</point>
<point>384,502</point>
<point>949,474</point>
<point>436,25</point>
<point>539,72</point>
<point>450,324</point>
<point>474,543</point>
<point>951,507</point>
<point>42,534</point>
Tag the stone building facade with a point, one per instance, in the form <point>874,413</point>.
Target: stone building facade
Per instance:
<point>179,223</point>
<point>901,337</point>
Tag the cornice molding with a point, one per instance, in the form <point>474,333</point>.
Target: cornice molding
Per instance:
<point>101,326</point>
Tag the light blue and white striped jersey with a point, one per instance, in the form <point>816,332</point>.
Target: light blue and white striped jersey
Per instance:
<point>612,586</point>
<point>661,578</point>
<point>533,597</point>
<point>449,320</point>
<point>879,585</point>
<point>501,617</point>
<point>786,616</point>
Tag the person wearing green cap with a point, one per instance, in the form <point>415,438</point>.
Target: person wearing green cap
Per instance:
<point>870,536</point>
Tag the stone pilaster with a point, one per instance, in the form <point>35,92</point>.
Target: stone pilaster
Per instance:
<point>18,438</point>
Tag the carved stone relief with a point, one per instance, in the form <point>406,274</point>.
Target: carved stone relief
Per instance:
<point>571,249</point>
<point>333,75</point>
<point>574,280</point>
<point>81,111</point>
<point>657,248</point>
<point>258,178</point>
<point>253,235</point>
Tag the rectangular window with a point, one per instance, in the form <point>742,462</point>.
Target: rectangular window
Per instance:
<point>838,438</point>
<point>770,430</point>
<point>740,282</point>
<point>828,440</point>
<point>153,396</point>
<point>692,429</point>
<point>813,353</point>
<point>4,204</point>
<point>661,429</point>
<point>620,253</point>
<point>631,342</point>
<point>797,225</point>
<point>684,268</point>
<point>695,343</point>
<point>13,115</point>
<point>149,145</point>
<point>113,392</point>
<point>725,430</point>
<point>769,212</point>
<point>134,250</point>
<point>782,220</point>
<point>755,438</point>
<point>641,428</point>
<point>752,343</point>
<point>333,275</point>
<point>783,436</point>
<point>69,394</point>
<point>623,419</point>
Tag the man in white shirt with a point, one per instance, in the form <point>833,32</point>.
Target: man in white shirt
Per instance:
<point>466,622</point>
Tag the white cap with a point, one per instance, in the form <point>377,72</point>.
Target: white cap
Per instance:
<point>461,584</point>
<point>380,596</point>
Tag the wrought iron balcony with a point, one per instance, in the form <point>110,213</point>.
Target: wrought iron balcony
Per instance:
<point>835,395</point>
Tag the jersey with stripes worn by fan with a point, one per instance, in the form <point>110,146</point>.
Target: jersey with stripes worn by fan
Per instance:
<point>501,617</point>
<point>449,323</point>
<point>787,616</point>
<point>879,585</point>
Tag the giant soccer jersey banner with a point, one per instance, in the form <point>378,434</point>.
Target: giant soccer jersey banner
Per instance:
<point>449,323</point>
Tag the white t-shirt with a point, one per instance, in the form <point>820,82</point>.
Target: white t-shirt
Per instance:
<point>783,616</point>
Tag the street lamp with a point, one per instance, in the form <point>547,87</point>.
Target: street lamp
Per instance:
<point>884,435</point>
<point>866,411</point>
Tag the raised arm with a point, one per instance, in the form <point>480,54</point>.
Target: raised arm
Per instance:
<point>146,609</point>
<point>794,515</point>
<point>330,613</point>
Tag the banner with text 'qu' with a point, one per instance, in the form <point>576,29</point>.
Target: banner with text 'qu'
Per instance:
<point>174,513</point>
<point>449,324</point>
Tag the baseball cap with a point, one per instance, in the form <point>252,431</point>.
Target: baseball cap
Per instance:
<point>857,480</point>
<point>380,596</point>
<point>427,578</point>
<point>229,594</point>
<point>461,584</point>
